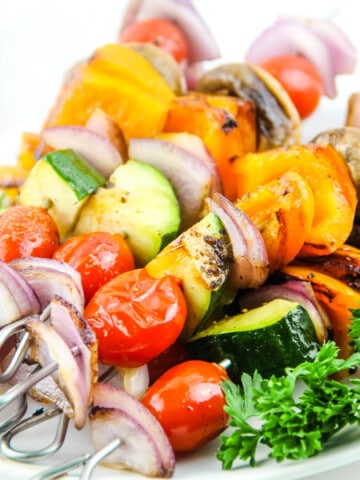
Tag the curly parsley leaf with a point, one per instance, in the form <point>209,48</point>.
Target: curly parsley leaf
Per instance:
<point>354,329</point>
<point>240,406</point>
<point>293,425</point>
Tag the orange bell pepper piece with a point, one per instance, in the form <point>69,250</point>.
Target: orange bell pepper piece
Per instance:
<point>283,210</point>
<point>120,82</point>
<point>329,178</point>
<point>343,264</point>
<point>226,125</point>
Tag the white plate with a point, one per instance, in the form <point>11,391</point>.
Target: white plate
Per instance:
<point>39,41</point>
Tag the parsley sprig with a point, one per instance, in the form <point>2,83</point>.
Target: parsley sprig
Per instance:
<point>294,426</point>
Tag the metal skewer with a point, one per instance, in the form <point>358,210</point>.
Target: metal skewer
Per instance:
<point>10,451</point>
<point>38,417</point>
<point>5,334</point>
<point>88,461</point>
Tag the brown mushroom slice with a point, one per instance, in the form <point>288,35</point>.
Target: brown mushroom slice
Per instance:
<point>144,446</point>
<point>278,122</point>
<point>346,141</point>
<point>47,346</point>
<point>353,111</point>
<point>76,332</point>
<point>163,63</point>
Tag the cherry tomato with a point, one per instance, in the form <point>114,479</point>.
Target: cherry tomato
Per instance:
<point>299,78</point>
<point>98,257</point>
<point>161,32</point>
<point>188,402</point>
<point>27,231</point>
<point>135,317</point>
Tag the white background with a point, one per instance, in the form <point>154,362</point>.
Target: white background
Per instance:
<point>41,39</point>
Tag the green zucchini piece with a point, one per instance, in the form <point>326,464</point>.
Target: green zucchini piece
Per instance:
<point>138,202</point>
<point>81,177</point>
<point>61,181</point>
<point>268,339</point>
<point>200,257</point>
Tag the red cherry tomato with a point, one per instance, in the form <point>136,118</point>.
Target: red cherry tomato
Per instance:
<point>160,32</point>
<point>189,403</point>
<point>300,79</point>
<point>27,231</point>
<point>98,257</point>
<point>136,317</point>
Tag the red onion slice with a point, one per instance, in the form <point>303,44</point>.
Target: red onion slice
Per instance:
<point>295,291</point>
<point>49,277</point>
<point>202,44</point>
<point>96,149</point>
<point>190,177</point>
<point>17,297</point>
<point>320,41</point>
<point>251,264</point>
<point>194,145</point>
<point>144,446</point>
<point>342,51</point>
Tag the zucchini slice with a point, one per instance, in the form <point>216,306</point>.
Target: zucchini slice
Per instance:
<point>138,202</point>
<point>61,181</point>
<point>200,257</point>
<point>268,339</point>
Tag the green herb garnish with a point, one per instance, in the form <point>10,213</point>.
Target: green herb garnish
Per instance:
<point>293,426</point>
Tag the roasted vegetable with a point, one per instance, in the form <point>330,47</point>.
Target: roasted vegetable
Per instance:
<point>123,206</point>
<point>329,177</point>
<point>200,257</point>
<point>163,63</point>
<point>191,177</point>
<point>226,126</point>
<point>283,210</point>
<point>72,181</point>
<point>277,120</point>
<point>346,141</point>
<point>343,265</point>
<point>120,82</point>
<point>353,111</point>
<point>335,297</point>
<point>268,339</point>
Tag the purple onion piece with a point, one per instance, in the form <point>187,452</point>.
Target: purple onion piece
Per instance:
<point>49,277</point>
<point>202,44</point>
<point>250,268</point>
<point>145,447</point>
<point>319,41</point>
<point>18,298</point>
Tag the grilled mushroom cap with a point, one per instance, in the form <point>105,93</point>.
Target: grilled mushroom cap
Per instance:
<point>163,63</point>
